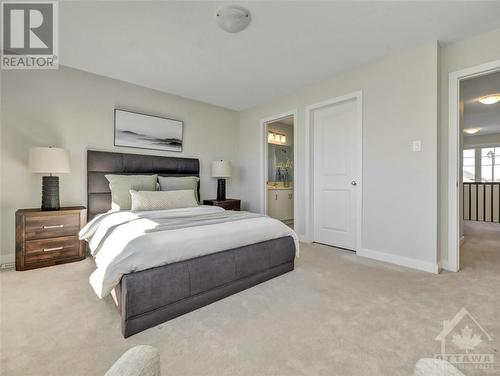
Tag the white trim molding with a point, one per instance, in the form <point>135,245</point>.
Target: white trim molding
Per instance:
<point>400,260</point>
<point>454,143</point>
<point>309,170</point>
<point>303,238</point>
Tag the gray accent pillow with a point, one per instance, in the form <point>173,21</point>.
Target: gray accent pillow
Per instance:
<point>175,183</point>
<point>120,186</point>
<point>144,200</point>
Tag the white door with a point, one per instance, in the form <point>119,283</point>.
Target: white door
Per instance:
<point>337,161</point>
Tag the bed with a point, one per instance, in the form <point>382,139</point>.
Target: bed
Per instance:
<point>148,297</point>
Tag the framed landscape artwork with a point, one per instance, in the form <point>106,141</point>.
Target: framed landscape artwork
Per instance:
<point>143,131</point>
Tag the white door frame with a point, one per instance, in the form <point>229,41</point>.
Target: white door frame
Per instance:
<point>454,136</point>
<point>264,160</point>
<point>309,165</point>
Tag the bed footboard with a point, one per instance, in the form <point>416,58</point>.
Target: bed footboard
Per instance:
<point>153,296</point>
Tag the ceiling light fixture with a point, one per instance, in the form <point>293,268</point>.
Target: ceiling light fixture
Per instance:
<point>276,138</point>
<point>233,18</point>
<point>490,99</point>
<point>472,130</point>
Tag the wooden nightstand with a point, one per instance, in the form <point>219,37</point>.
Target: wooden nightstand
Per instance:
<point>228,204</point>
<point>45,238</point>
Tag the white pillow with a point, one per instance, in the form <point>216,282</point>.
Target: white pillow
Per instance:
<point>120,185</point>
<point>176,183</point>
<point>155,200</point>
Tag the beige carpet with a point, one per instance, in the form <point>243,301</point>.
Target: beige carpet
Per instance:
<point>336,314</point>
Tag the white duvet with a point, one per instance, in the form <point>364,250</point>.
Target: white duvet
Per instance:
<point>126,241</point>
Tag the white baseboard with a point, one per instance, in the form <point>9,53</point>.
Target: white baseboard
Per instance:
<point>7,260</point>
<point>303,239</point>
<point>400,260</point>
<point>443,264</point>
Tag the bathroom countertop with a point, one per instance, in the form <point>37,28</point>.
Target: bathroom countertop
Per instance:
<point>279,187</point>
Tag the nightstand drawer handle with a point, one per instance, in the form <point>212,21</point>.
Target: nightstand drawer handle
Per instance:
<point>53,226</point>
<point>53,249</point>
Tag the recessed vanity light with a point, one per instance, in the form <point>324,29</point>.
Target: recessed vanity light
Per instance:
<point>471,130</point>
<point>276,138</point>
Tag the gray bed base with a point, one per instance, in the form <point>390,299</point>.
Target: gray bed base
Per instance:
<point>150,297</point>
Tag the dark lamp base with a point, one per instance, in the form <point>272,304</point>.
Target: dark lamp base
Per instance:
<point>221,189</point>
<point>50,193</point>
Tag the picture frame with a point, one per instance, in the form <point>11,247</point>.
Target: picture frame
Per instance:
<point>144,131</point>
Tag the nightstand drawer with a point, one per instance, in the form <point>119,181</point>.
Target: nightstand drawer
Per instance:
<point>42,227</point>
<point>51,249</point>
<point>45,238</point>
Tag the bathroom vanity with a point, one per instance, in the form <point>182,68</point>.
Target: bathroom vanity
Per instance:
<point>280,202</point>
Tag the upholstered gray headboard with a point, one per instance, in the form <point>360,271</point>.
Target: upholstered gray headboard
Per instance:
<point>100,163</point>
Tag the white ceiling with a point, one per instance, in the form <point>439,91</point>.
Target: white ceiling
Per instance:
<point>177,47</point>
<point>476,114</point>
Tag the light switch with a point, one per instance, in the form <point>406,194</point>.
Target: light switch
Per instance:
<point>417,145</point>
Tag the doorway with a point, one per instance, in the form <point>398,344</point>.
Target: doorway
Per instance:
<point>335,169</point>
<point>480,150</point>
<point>279,170</point>
<point>472,189</point>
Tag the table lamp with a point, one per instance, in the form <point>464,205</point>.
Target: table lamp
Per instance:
<point>49,160</point>
<point>221,170</point>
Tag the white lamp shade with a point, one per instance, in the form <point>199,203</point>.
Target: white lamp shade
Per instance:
<point>49,160</point>
<point>221,169</point>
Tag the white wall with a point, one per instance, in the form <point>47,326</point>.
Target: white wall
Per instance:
<point>400,187</point>
<point>463,54</point>
<point>74,109</point>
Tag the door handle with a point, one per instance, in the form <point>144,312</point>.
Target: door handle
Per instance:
<point>354,182</point>
<point>53,249</point>
<point>53,226</point>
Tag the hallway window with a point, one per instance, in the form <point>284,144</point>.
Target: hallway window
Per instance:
<point>469,164</point>
<point>490,164</point>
